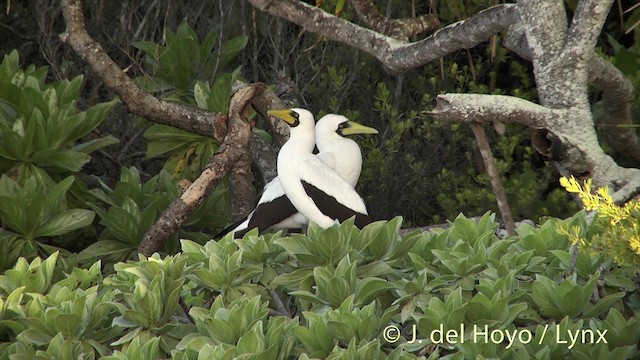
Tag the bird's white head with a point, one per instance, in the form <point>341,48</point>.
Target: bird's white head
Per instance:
<point>300,121</point>
<point>338,124</point>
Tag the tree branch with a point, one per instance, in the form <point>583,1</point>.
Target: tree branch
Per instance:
<point>494,178</point>
<point>134,98</point>
<point>243,193</point>
<point>545,24</point>
<point>396,56</point>
<point>482,108</point>
<point>583,35</point>
<point>402,29</point>
<point>231,149</point>
<point>617,93</point>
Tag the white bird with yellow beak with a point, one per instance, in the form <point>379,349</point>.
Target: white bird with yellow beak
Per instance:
<point>274,209</point>
<point>315,189</point>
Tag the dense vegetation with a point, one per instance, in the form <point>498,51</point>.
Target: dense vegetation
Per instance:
<point>82,181</point>
<point>339,293</point>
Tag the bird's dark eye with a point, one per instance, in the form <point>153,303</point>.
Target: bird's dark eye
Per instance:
<point>295,115</point>
<point>341,127</point>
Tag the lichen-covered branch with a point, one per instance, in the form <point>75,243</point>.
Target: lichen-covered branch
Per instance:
<point>545,24</point>
<point>586,25</point>
<point>616,89</point>
<point>563,59</point>
<point>482,108</point>
<point>134,98</point>
<point>402,29</point>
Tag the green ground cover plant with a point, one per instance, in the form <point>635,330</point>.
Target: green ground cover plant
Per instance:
<point>339,293</point>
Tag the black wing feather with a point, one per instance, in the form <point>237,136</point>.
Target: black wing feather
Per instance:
<point>329,206</point>
<point>264,216</point>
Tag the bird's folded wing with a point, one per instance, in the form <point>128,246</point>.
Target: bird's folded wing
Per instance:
<point>316,173</point>
<point>272,190</point>
<point>273,207</point>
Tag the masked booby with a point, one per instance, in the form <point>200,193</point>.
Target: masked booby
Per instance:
<point>316,190</point>
<point>274,210</point>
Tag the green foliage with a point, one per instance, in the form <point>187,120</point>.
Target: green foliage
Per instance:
<point>33,212</point>
<point>184,58</point>
<point>193,72</point>
<point>182,70</point>
<point>42,141</point>
<point>132,208</point>
<point>40,126</point>
<point>365,295</point>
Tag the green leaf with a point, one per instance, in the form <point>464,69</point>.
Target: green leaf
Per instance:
<point>67,324</point>
<point>620,282</point>
<point>96,144</point>
<point>94,116</point>
<point>340,7</point>
<point>201,94</point>
<point>252,342</point>
<point>34,336</point>
<point>369,288</point>
<point>65,222</point>
<point>195,341</point>
<point>220,94</point>
<point>294,279</point>
<point>163,139</point>
<point>109,249</point>
<point>603,305</point>
<point>231,48</point>
<point>65,160</point>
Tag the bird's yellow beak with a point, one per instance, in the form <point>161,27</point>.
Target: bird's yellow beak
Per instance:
<point>288,115</point>
<point>355,128</point>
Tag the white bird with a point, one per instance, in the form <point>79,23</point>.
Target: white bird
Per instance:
<point>312,186</point>
<point>274,209</point>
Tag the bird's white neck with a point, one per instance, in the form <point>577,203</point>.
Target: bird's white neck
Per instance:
<point>346,152</point>
<point>302,143</point>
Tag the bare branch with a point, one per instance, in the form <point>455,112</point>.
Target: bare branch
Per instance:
<point>265,158</point>
<point>617,94</point>
<point>268,100</point>
<point>231,149</point>
<point>134,98</point>
<point>494,177</point>
<point>482,108</point>
<point>243,193</point>
<point>402,29</point>
<point>396,56</point>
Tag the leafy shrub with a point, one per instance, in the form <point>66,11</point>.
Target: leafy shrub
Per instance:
<point>42,142</point>
<point>32,212</point>
<point>40,127</point>
<point>335,293</point>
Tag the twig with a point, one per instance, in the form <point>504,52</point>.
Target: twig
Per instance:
<point>494,177</point>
